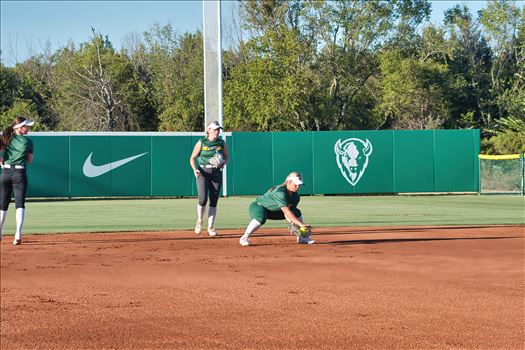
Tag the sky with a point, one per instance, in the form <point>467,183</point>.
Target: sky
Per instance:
<point>27,26</point>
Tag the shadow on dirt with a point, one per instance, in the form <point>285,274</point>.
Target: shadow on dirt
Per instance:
<point>405,240</point>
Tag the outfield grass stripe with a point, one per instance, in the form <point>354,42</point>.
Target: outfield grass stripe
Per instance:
<point>177,214</point>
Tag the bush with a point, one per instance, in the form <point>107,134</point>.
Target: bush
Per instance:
<point>509,142</point>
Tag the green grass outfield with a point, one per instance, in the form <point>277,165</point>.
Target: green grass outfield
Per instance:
<point>176,214</point>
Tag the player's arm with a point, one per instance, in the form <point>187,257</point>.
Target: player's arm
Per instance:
<point>194,155</point>
<point>29,157</point>
<point>225,154</point>
<point>291,216</point>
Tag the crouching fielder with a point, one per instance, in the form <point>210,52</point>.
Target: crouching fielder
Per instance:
<point>279,203</point>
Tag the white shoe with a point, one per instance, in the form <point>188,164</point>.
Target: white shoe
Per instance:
<point>198,227</point>
<point>305,240</point>
<point>17,242</point>
<point>244,241</point>
<point>211,231</point>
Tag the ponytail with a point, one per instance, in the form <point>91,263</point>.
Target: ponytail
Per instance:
<point>7,135</point>
<point>274,187</point>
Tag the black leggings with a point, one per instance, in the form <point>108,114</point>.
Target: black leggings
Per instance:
<point>209,183</point>
<point>13,179</point>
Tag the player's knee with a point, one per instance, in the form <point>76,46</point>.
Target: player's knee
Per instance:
<point>214,201</point>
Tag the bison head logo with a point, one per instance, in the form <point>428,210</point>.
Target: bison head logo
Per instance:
<point>352,158</point>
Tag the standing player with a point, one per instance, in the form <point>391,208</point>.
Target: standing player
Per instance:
<point>17,150</point>
<point>209,156</point>
<point>278,203</point>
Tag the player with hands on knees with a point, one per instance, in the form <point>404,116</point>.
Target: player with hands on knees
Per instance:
<point>16,152</point>
<point>279,203</point>
<point>209,157</point>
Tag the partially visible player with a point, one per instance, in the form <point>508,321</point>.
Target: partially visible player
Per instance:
<point>279,203</point>
<point>207,160</point>
<point>17,151</point>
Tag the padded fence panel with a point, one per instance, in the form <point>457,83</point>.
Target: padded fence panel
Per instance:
<point>328,177</point>
<point>292,151</point>
<point>414,161</point>
<point>456,157</point>
<point>253,166</point>
<point>171,174</point>
<point>133,178</point>
<point>378,177</point>
<point>194,140</point>
<point>339,162</point>
<point>48,176</point>
<point>90,153</point>
<point>353,162</point>
<point>229,168</point>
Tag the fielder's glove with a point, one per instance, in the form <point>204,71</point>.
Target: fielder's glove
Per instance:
<point>300,231</point>
<point>217,161</point>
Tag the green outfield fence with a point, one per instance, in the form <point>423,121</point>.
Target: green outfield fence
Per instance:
<point>156,164</point>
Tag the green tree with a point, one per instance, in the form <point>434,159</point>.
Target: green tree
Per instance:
<point>23,108</point>
<point>508,137</point>
<point>315,63</point>
<point>140,89</point>
<point>413,92</point>
<point>273,89</point>
<point>469,68</point>
<point>504,24</point>
<point>10,84</point>
<point>22,94</point>
<point>36,74</point>
<point>352,34</point>
<point>175,63</point>
<point>93,88</point>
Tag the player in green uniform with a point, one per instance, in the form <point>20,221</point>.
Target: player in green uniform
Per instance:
<point>278,203</point>
<point>17,151</point>
<point>207,160</point>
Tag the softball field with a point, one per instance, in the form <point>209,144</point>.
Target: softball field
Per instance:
<point>359,287</point>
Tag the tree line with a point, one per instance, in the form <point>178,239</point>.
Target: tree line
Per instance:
<point>294,65</point>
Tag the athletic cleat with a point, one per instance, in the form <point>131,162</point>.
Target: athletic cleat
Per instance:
<point>244,241</point>
<point>17,242</point>
<point>211,231</point>
<point>305,240</point>
<point>198,227</point>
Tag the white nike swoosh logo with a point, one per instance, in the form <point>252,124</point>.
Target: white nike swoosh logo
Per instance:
<point>91,170</point>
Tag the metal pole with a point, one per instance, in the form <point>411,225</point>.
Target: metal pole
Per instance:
<point>212,46</point>
<point>479,175</point>
<point>522,173</point>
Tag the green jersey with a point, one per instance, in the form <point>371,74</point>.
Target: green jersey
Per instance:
<point>17,151</point>
<point>208,150</point>
<point>277,198</point>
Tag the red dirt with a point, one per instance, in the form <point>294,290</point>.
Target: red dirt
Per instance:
<point>358,288</point>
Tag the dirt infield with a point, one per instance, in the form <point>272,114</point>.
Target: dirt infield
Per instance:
<point>358,288</point>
